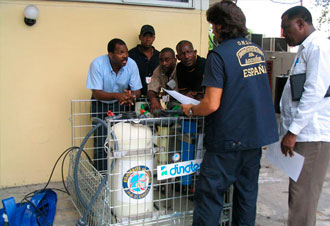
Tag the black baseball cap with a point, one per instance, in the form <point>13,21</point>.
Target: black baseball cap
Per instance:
<point>147,29</point>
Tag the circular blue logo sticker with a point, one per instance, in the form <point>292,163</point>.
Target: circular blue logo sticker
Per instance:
<point>137,182</point>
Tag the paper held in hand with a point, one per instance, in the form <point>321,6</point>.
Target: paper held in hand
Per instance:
<point>290,165</point>
<point>182,98</point>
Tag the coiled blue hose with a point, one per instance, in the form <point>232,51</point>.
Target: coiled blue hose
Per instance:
<point>83,221</point>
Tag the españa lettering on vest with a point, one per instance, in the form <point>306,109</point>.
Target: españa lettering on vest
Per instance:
<point>258,70</point>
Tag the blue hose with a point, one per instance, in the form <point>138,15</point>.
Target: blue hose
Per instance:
<point>83,220</point>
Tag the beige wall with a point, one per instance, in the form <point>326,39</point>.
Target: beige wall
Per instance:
<point>44,67</point>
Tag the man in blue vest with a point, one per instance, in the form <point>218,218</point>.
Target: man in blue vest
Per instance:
<point>240,119</point>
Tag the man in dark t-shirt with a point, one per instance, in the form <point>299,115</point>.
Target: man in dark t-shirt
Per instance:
<point>190,71</point>
<point>145,56</point>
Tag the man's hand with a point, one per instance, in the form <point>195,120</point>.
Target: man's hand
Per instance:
<point>186,108</point>
<point>191,94</point>
<point>288,142</point>
<point>155,105</point>
<point>127,98</point>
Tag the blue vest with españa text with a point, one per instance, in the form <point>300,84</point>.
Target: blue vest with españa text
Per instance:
<point>246,117</point>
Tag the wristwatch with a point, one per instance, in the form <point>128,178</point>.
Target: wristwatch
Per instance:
<point>190,112</point>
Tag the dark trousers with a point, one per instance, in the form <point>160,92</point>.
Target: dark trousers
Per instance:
<point>100,110</point>
<point>218,172</point>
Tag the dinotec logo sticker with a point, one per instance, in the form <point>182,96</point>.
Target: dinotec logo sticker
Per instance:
<point>178,169</point>
<point>137,182</point>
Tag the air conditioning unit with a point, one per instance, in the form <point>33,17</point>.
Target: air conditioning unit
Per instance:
<point>255,38</point>
<point>274,44</point>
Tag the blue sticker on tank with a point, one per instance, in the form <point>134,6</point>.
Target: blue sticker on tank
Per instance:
<point>137,182</point>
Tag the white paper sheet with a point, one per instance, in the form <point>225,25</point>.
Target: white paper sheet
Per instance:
<point>182,98</point>
<point>290,165</point>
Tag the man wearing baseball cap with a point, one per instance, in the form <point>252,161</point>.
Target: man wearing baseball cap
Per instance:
<point>145,55</point>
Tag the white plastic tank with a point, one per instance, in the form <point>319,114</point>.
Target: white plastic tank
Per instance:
<point>131,178</point>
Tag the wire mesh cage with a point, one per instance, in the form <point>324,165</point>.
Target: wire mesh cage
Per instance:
<point>150,166</point>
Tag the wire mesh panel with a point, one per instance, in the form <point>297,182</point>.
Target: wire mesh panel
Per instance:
<point>151,168</point>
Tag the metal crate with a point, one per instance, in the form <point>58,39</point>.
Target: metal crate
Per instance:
<point>138,153</point>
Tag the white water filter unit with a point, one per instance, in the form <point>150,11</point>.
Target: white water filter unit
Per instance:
<point>131,178</point>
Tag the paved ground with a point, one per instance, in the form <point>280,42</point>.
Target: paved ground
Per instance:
<point>272,200</point>
<point>273,193</point>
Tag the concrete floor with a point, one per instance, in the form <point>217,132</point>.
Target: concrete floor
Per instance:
<point>272,200</point>
<point>273,197</point>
